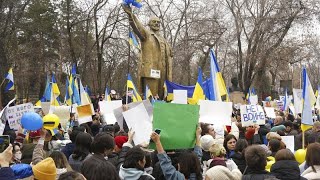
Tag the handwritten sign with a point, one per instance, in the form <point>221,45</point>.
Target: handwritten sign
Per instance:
<point>14,114</point>
<point>298,100</point>
<point>252,114</point>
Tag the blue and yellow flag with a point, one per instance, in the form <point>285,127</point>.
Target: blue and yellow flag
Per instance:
<point>286,101</point>
<point>308,101</point>
<point>217,87</point>
<point>135,95</point>
<point>85,99</point>
<point>198,93</point>
<point>10,85</point>
<point>147,93</point>
<point>136,3</point>
<point>133,40</point>
<point>68,98</point>
<point>107,95</point>
<point>55,92</point>
<point>74,86</point>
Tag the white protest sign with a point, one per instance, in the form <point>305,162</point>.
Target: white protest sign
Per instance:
<point>280,104</point>
<point>138,119</point>
<point>253,99</point>
<point>63,112</point>
<point>270,112</point>
<point>14,114</point>
<point>298,99</point>
<point>84,119</point>
<point>2,126</point>
<point>155,73</point>
<point>292,110</point>
<point>45,107</point>
<point>215,112</point>
<point>180,96</point>
<point>318,102</point>
<point>252,114</point>
<point>106,109</point>
<point>289,141</point>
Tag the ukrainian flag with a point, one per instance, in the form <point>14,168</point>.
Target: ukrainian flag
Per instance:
<point>55,92</point>
<point>217,85</point>
<point>308,101</point>
<point>133,40</point>
<point>135,95</point>
<point>286,101</point>
<point>74,86</point>
<point>68,98</point>
<point>136,3</point>
<point>107,95</point>
<point>10,85</point>
<point>84,95</point>
<point>147,93</point>
<point>198,93</point>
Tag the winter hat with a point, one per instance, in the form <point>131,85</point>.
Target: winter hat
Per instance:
<point>120,140</point>
<point>219,129</point>
<point>217,150</point>
<point>223,173</point>
<point>278,128</point>
<point>206,142</point>
<point>249,134</point>
<point>45,170</point>
<point>21,170</point>
<point>34,134</point>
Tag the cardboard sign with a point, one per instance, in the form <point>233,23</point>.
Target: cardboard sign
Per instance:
<point>289,141</point>
<point>85,113</point>
<point>178,124</point>
<point>106,109</point>
<point>298,100</point>
<point>14,114</point>
<point>270,112</point>
<point>155,73</point>
<point>138,119</point>
<point>180,96</point>
<point>215,112</point>
<point>252,114</point>
<point>63,112</point>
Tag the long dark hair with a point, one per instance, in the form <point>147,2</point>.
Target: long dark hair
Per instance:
<point>226,139</point>
<point>313,155</point>
<point>189,163</point>
<point>82,146</point>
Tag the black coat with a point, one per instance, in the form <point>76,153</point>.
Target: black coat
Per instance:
<point>240,161</point>
<point>251,174</point>
<point>286,169</point>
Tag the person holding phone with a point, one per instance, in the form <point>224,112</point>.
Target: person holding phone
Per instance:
<point>5,158</point>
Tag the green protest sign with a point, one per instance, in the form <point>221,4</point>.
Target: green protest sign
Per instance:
<point>178,124</point>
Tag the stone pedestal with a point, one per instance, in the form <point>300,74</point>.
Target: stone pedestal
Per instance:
<point>237,97</point>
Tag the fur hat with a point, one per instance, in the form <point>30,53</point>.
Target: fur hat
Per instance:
<point>206,142</point>
<point>223,173</point>
<point>45,170</point>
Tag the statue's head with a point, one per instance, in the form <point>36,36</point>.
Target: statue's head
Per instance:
<point>154,23</point>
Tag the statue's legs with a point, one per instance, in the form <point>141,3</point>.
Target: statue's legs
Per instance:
<point>152,83</point>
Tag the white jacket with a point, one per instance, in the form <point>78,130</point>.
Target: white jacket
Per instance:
<point>310,174</point>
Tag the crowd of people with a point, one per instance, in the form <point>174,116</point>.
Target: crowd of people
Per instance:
<point>99,151</point>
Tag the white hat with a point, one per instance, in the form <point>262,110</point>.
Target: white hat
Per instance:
<point>223,173</point>
<point>113,91</point>
<point>206,142</point>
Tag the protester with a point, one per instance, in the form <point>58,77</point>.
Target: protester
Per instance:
<point>256,159</point>
<point>16,158</point>
<point>230,144</point>
<point>188,163</point>
<point>238,156</point>
<point>313,162</point>
<point>97,169</point>
<point>61,162</point>
<point>206,142</point>
<point>68,149</point>
<point>71,175</point>
<point>81,151</point>
<point>286,166</point>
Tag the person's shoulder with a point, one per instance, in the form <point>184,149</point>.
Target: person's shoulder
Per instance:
<point>146,177</point>
<point>259,177</point>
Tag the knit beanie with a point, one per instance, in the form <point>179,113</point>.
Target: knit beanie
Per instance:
<point>45,170</point>
<point>120,140</point>
<point>206,142</point>
<point>223,173</point>
<point>219,129</point>
<point>278,128</point>
<point>249,133</point>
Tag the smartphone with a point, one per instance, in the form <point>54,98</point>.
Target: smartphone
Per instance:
<point>158,131</point>
<point>4,142</point>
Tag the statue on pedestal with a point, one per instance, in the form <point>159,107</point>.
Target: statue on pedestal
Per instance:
<point>155,64</point>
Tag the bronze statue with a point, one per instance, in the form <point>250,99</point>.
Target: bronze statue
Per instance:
<point>156,54</point>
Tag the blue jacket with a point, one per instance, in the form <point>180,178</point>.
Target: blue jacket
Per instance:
<point>68,149</point>
<point>170,172</point>
<point>6,173</point>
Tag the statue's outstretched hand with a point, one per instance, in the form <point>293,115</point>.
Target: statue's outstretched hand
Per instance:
<point>126,8</point>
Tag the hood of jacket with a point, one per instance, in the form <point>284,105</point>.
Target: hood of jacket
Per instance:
<point>131,173</point>
<point>286,169</point>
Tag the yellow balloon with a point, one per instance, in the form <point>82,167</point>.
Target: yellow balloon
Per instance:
<point>270,162</point>
<point>50,122</point>
<point>300,155</point>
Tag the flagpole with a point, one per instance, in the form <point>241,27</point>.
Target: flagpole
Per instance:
<point>303,139</point>
<point>2,82</point>
<point>127,92</point>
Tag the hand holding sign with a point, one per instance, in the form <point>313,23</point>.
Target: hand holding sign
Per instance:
<point>251,115</point>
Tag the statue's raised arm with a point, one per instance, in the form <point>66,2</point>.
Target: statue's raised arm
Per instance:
<point>136,25</point>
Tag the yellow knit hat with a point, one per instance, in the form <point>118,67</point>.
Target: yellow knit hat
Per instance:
<point>45,170</point>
